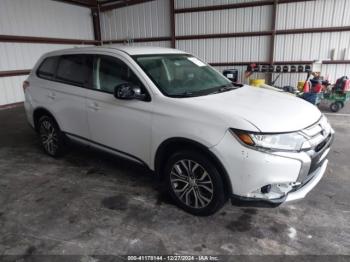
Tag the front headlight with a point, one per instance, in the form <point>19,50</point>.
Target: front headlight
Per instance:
<point>287,141</point>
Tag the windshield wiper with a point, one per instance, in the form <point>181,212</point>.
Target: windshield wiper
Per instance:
<point>184,94</point>
<point>225,88</point>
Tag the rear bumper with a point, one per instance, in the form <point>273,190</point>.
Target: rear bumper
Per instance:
<point>28,107</point>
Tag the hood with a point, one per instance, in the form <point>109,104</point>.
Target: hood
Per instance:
<point>269,111</point>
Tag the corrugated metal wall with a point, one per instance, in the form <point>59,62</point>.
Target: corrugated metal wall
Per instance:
<point>45,18</point>
<point>313,46</point>
<point>150,19</point>
<point>319,13</point>
<point>234,49</point>
<point>16,56</point>
<point>248,19</point>
<point>238,49</point>
<point>40,18</point>
<point>11,89</point>
<point>297,47</point>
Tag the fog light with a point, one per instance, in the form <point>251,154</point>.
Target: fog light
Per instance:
<point>266,189</point>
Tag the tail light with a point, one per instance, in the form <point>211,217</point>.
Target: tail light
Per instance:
<point>25,85</point>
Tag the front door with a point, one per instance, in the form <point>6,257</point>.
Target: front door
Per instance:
<point>120,125</point>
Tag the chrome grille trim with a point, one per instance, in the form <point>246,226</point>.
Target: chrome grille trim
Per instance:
<point>316,133</point>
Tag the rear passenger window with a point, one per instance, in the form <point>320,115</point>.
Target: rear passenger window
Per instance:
<point>74,70</point>
<point>47,68</point>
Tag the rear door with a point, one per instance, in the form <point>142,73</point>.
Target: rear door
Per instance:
<point>67,92</point>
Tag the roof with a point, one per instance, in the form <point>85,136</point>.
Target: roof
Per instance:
<point>144,50</point>
<point>130,50</point>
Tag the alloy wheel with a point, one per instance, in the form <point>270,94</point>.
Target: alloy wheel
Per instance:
<point>191,183</point>
<point>48,137</point>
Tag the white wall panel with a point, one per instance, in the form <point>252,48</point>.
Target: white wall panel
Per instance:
<point>45,18</point>
<point>320,13</point>
<point>237,49</point>
<point>15,56</point>
<point>150,19</point>
<point>333,72</point>
<point>40,18</point>
<point>11,89</point>
<point>313,46</point>
<point>198,3</point>
<point>224,21</point>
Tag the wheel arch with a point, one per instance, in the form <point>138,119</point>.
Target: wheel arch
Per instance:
<point>171,145</point>
<point>39,112</point>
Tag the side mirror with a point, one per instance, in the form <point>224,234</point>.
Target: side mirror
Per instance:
<point>126,92</point>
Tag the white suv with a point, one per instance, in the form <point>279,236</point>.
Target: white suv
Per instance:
<point>207,138</point>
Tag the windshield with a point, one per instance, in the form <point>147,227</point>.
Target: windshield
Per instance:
<point>182,75</point>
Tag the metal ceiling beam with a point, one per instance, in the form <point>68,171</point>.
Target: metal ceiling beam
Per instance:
<point>84,3</point>
<point>14,73</point>
<point>45,40</point>
<point>273,38</point>
<point>273,35</point>
<point>225,35</point>
<point>234,6</point>
<point>172,24</point>
<point>302,62</point>
<point>222,7</point>
<point>313,30</point>
<point>262,33</point>
<point>122,3</point>
<point>95,14</point>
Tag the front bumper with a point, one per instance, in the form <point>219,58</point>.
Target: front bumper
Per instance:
<point>290,175</point>
<point>297,193</point>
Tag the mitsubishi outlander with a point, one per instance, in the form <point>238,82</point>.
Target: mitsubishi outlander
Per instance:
<point>207,138</point>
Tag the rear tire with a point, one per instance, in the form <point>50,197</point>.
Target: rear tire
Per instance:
<point>194,183</point>
<point>51,138</point>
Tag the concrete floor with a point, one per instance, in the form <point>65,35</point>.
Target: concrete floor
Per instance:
<point>91,203</point>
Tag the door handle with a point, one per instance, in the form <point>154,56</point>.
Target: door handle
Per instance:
<point>51,95</point>
<point>94,106</point>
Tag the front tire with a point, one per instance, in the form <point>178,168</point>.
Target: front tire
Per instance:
<point>194,183</point>
<point>335,107</point>
<point>51,138</point>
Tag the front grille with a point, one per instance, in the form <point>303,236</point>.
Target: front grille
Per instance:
<point>321,145</point>
<point>317,156</point>
<point>317,135</point>
<point>319,139</point>
<point>315,164</point>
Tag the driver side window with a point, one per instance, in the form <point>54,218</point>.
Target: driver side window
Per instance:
<point>110,72</point>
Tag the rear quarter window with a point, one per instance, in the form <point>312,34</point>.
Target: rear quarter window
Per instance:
<point>47,68</point>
